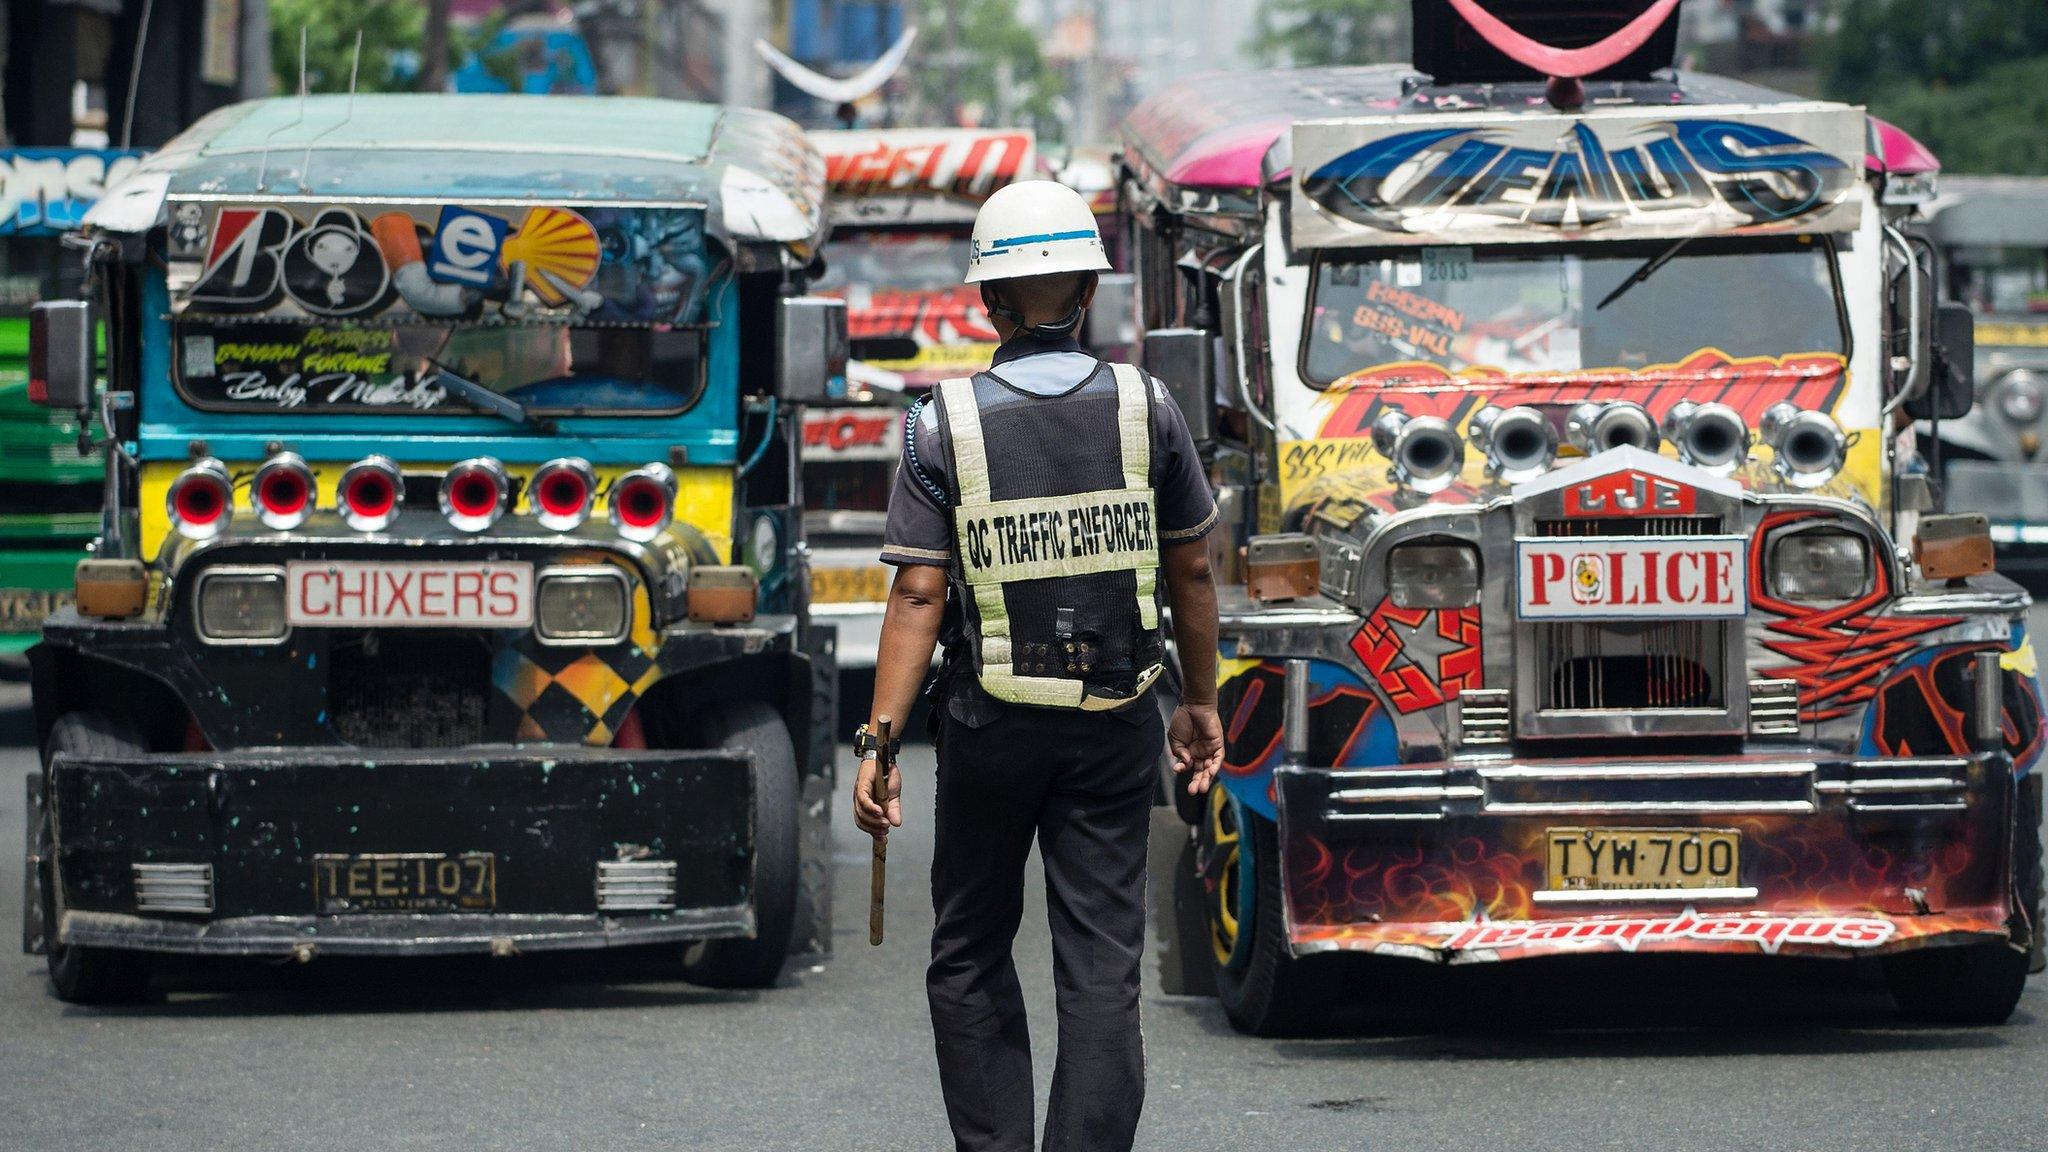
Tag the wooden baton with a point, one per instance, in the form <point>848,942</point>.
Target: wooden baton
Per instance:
<point>878,878</point>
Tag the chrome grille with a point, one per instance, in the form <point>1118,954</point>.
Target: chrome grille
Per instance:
<point>1657,664</point>
<point>1774,708</point>
<point>173,887</point>
<point>1631,526</point>
<point>636,885</point>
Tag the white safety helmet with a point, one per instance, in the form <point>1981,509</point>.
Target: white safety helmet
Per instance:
<point>1034,228</point>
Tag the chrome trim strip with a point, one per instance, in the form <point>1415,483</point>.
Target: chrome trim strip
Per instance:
<point>186,888</point>
<point>1636,895</point>
<point>1906,784</point>
<point>1624,807</point>
<point>1970,601</point>
<point>1401,794</point>
<point>1334,817</point>
<point>1879,806</point>
<point>1649,772</point>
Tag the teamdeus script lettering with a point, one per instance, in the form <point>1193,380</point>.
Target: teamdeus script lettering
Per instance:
<point>1065,536</point>
<point>1748,173</point>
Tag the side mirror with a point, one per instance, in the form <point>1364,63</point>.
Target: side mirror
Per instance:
<point>1184,359</point>
<point>1952,379</point>
<point>60,372</point>
<point>1112,320</point>
<point>811,350</point>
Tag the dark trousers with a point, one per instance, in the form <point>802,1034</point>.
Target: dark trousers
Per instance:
<point>1082,784</point>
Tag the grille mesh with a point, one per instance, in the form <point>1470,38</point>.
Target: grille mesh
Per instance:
<point>409,692</point>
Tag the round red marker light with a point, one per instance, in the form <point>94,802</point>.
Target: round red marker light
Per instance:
<point>371,492</point>
<point>198,501</point>
<point>473,494</point>
<point>641,502</point>
<point>563,494</point>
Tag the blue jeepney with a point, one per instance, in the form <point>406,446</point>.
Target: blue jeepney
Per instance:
<point>450,594</point>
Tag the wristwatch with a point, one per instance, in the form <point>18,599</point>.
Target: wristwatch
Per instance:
<point>865,744</point>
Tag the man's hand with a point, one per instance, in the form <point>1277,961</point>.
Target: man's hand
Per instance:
<point>873,818</point>
<point>1196,740</point>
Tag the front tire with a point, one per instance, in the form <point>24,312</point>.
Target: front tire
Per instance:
<point>82,975</point>
<point>757,962</point>
<point>1265,989</point>
<point>1961,984</point>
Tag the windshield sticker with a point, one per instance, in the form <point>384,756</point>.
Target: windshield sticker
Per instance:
<point>339,367</point>
<point>637,266</point>
<point>1489,177</point>
<point>1749,385</point>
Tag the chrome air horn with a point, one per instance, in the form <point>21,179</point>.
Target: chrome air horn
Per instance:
<point>1709,436</point>
<point>1519,443</point>
<point>1592,426</point>
<point>1807,448</point>
<point>1425,450</point>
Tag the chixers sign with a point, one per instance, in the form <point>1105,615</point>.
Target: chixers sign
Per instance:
<point>1528,177</point>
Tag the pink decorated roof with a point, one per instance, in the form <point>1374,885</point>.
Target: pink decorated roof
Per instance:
<point>1898,153</point>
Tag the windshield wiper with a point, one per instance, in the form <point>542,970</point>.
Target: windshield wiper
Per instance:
<point>1648,269</point>
<point>478,396</point>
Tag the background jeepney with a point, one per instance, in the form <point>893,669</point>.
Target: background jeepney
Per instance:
<point>416,624</point>
<point>1993,235</point>
<point>52,490</point>
<point>902,206</point>
<point>1612,638</point>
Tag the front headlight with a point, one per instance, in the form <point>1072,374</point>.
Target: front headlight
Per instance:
<point>242,606</point>
<point>2020,396</point>
<point>582,606</point>
<point>1433,576</point>
<point>1820,564</point>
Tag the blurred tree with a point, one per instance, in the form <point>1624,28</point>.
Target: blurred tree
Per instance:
<point>976,52</point>
<point>391,29</point>
<point>1312,33</point>
<point>1968,77</point>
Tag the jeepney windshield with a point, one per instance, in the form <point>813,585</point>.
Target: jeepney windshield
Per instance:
<point>555,369</point>
<point>909,261</point>
<point>1534,308</point>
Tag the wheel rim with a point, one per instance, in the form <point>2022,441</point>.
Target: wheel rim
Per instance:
<point>1228,868</point>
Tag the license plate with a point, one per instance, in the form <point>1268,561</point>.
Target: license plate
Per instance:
<point>1613,859</point>
<point>1596,578</point>
<point>409,594</point>
<point>850,585</point>
<point>23,610</point>
<point>405,882</point>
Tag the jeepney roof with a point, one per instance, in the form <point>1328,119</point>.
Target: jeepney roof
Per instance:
<point>1214,131</point>
<point>754,172</point>
<point>1990,212</point>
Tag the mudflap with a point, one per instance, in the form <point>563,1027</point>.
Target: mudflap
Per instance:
<point>811,935</point>
<point>1179,930</point>
<point>34,933</point>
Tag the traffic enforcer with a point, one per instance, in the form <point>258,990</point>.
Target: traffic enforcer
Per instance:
<point>449,595</point>
<point>1587,596</point>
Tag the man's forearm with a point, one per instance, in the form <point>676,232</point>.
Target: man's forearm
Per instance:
<point>910,631</point>
<point>1192,591</point>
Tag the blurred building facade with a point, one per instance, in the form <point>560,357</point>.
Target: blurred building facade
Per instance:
<point>69,66</point>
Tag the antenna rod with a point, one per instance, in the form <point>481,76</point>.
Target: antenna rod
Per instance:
<point>263,170</point>
<point>135,73</point>
<point>306,164</point>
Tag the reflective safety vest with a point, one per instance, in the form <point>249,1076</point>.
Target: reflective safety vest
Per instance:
<point>1057,538</point>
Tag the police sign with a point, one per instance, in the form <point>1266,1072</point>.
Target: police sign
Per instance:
<point>1623,577</point>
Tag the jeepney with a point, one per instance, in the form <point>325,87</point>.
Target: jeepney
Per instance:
<point>902,206</point>
<point>449,596</point>
<point>1992,232</point>
<point>53,488</point>
<point>1579,597</point>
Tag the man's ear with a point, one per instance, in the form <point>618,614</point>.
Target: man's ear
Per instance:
<point>1088,283</point>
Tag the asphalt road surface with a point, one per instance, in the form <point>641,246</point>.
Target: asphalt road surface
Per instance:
<point>614,1052</point>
